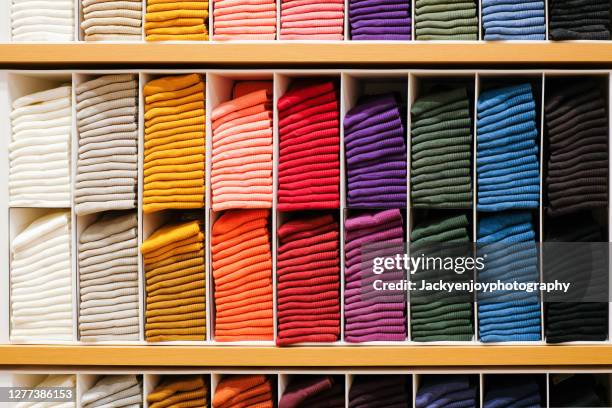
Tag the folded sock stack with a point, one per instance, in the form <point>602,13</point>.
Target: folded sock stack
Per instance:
<point>439,390</point>
<point>114,391</point>
<point>374,138</point>
<point>239,391</point>
<point>244,20</point>
<point>381,20</point>
<point>174,148</point>
<point>53,381</point>
<point>312,20</point>
<point>175,283</point>
<point>434,315</point>
<point>579,19</point>
<point>577,390</point>
<point>108,279</point>
<point>39,152</point>
<point>107,166</point>
<point>512,391</point>
<point>441,150</point>
<point>584,266</point>
<point>312,391</point>
<point>309,168</point>
<point>446,20</point>
<point>242,148</point>
<point>242,272</point>
<point>576,118</point>
<point>507,240</point>
<point>49,20</point>
<point>176,20</point>
<point>41,280</point>
<point>371,391</point>
<point>179,391</point>
<point>370,315</point>
<point>508,20</point>
<point>112,21</point>
<point>308,289</point>
<point>507,158</point>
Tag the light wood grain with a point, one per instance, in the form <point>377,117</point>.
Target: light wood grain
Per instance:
<point>321,54</point>
<point>407,356</point>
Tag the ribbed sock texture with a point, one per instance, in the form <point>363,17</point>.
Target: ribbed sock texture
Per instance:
<point>446,21</point>
<point>380,390</point>
<point>512,390</point>
<point>236,391</point>
<point>380,20</point>
<point>179,390</point>
<point>507,21</point>
<point>244,20</point>
<point>114,390</point>
<point>312,20</point>
<point>176,21</point>
<point>49,20</point>
<point>314,391</point>
<point>579,20</point>
<point>120,22</point>
<point>446,390</point>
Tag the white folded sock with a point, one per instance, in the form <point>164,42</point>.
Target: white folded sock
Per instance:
<point>135,14</point>
<point>120,19</point>
<point>42,37</point>
<point>45,107</point>
<point>105,84</point>
<point>97,132</point>
<point>55,114</point>
<point>120,305</point>
<point>105,183</point>
<point>117,120</point>
<point>94,100</point>
<point>107,386</point>
<point>107,302</point>
<point>113,5</point>
<point>131,395</point>
<point>113,37</point>
<point>64,91</point>
<point>106,106</point>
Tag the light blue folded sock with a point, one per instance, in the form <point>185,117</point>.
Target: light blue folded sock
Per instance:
<point>514,110</point>
<point>531,134</point>
<point>508,131</point>
<point>512,16</point>
<point>519,182</point>
<point>505,7</point>
<point>512,163</point>
<point>506,156</point>
<point>507,122</point>
<point>491,338</point>
<point>495,97</point>
<point>519,190</point>
<point>511,205</point>
<point>509,170</point>
<point>510,37</point>
<point>513,147</point>
<point>508,103</point>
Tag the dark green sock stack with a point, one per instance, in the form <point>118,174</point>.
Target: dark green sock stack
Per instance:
<point>436,315</point>
<point>446,20</point>
<point>441,151</point>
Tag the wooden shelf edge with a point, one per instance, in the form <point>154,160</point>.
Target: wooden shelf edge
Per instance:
<point>323,53</point>
<point>206,356</point>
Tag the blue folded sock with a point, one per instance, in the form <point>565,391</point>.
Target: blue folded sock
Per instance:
<point>491,338</point>
<point>540,29</point>
<point>495,97</point>
<point>490,224</point>
<point>509,170</point>
<point>507,103</point>
<point>506,156</point>
<point>483,188</point>
<point>509,37</point>
<point>500,7</point>
<point>514,110</point>
<point>505,132</point>
<point>512,16</point>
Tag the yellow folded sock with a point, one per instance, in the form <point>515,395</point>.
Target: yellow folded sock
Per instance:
<point>169,84</point>
<point>177,22</point>
<point>173,124</point>
<point>168,234</point>
<point>169,185</point>
<point>174,153</point>
<point>191,175</point>
<point>176,168</point>
<point>175,251</point>
<point>171,268</point>
<point>174,142</point>
<point>178,37</point>
<point>199,127</point>
<point>198,395</point>
<point>195,113</point>
<point>175,303</point>
<point>180,198</point>
<point>195,307</point>
<point>151,208</point>
<point>173,384</point>
<point>184,5</point>
<point>181,30</point>
<point>179,273</point>
<point>175,98</point>
<point>177,318</point>
<point>199,191</point>
<point>199,237</point>
<point>173,110</point>
<point>191,331</point>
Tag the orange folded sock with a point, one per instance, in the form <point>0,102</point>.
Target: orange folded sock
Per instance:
<point>233,390</point>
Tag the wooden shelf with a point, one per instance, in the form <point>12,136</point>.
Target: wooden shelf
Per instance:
<point>406,356</point>
<point>321,54</point>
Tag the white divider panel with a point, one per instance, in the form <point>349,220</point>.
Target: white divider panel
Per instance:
<point>5,135</point>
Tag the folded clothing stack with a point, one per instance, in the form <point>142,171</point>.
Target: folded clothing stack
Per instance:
<point>174,148</point>
<point>441,150</point>
<point>577,390</point>
<point>369,391</point>
<point>33,20</point>
<point>312,20</point>
<point>435,316</point>
<point>579,19</point>
<point>108,279</point>
<point>584,266</point>
<point>242,148</point>
<point>310,391</point>
<point>439,390</point>
<point>114,391</point>
<point>372,315</point>
<point>374,138</point>
<point>238,391</point>
<point>520,390</point>
<point>176,20</point>
<point>308,289</point>
<point>309,157</point>
<point>53,381</point>
<point>179,390</point>
<point>41,280</point>
<point>175,283</point>
<point>444,20</point>
<point>102,21</point>
<point>507,20</point>
<point>507,151</point>
<point>242,273</point>
<point>576,119</point>
<point>244,20</point>
<point>107,166</point>
<point>507,240</point>
<point>39,152</point>
<point>380,20</point>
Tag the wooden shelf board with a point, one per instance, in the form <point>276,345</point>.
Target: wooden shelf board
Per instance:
<point>323,53</point>
<point>229,356</point>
